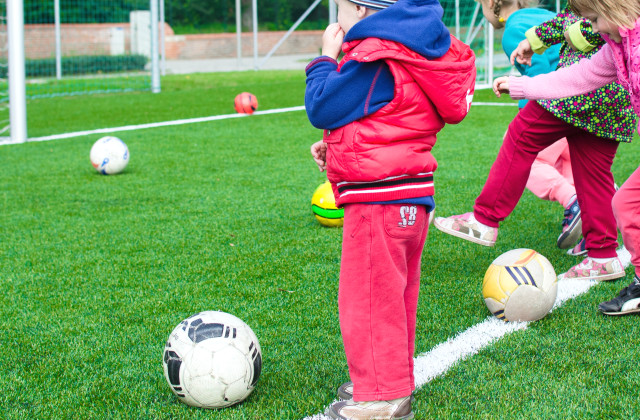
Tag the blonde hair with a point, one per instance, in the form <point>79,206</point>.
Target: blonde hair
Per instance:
<point>521,4</point>
<point>623,13</point>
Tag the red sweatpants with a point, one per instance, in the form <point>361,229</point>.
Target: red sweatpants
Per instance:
<point>378,296</point>
<point>532,130</point>
<point>626,207</point>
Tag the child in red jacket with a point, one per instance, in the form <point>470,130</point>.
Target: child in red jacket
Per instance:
<point>401,79</point>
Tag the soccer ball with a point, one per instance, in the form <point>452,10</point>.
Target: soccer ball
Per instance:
<point>245,103</point>
<point>520,285</point>
<point>109,155</point>
<point>212,360</point>
<point>323,205</point>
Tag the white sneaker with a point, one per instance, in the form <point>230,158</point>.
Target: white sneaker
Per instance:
<point>399,408</point>
<point>466,226</point>
<point>589,269</point>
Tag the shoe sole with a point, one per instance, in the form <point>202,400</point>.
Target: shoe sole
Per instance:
<point>632,311</point>
<point>607,277</point>
<point>571,235</point>
<point>576,254</point>
<point>462,235</point>
<point>332,414</point>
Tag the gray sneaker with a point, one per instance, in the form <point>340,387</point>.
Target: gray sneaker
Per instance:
<point>345,391</point>
<point>399,408</point>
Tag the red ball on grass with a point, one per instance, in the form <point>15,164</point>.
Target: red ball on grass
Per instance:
<point>246,103</point>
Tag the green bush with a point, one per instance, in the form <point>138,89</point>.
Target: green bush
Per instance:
<point>88,64</point>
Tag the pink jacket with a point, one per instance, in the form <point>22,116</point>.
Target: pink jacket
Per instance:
<point>387,155</point>
<point>614,62</point>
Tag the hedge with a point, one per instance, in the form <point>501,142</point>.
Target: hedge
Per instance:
<point>88,64</point>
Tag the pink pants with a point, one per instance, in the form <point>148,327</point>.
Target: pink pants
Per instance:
<point>532,130</point>
<point>626,208</point>
<point>378,296</point>
<point>551,178</point>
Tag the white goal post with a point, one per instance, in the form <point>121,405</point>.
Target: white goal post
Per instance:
<point>17,90</point>
<point>16,60</point>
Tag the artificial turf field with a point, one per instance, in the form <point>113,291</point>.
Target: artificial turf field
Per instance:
<point>97,270</point>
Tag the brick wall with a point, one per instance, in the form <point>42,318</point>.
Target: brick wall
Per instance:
<point>201,46</point>
<point>97,39</point>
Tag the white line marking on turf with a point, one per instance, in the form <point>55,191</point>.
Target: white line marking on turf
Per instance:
<point>438,360</point>
<point>7,140</point>
<point>155,125</point>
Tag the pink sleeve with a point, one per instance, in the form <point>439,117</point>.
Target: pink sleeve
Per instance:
<point>583,77</point>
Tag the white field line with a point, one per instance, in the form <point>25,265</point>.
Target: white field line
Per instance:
<point>427,366</point>
<point>438,360</point>
<point>7,140</point>
<point>154,125</point>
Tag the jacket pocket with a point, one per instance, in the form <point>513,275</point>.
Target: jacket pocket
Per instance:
<point>333,136</point>
<point>404,221</point>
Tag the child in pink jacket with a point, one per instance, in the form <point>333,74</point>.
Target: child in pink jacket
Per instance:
<point>619,23</point>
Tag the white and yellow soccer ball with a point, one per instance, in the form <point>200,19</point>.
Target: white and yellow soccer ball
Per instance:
<point>109,155</point>
<point>212,360</point>
<point>520,285</point>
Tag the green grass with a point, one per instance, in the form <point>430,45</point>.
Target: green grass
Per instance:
<point>97,270</point>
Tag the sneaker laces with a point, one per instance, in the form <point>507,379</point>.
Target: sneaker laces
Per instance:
<point>567,213</point>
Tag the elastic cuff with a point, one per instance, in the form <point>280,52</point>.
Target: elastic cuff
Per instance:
<point>603,252</point>
<point>536,43</point>
<point>577,38</point>
<point>320,59</point>
<point>516,87</point>
<point>485,221</point>
<point>380,396</point>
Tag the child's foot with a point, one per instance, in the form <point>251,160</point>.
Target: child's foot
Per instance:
<point>609,269</point>
<point>345,391</point>
<point>399,408</point>
<point>579,249</point>
<point>571,226</point>
<point>627,302</point>
<point>466,226</point>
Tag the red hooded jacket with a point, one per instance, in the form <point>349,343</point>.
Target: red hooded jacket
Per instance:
<point>387,155</point>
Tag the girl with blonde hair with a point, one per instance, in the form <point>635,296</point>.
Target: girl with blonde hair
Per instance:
<point>618,21</point>
<point>593,124</point>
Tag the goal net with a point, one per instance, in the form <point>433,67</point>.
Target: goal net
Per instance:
<point>76,47</point>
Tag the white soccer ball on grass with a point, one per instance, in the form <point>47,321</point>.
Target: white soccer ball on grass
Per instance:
<point>109,155</point>
<point>520,285</point>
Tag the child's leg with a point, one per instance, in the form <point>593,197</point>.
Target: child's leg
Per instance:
<point>563,164</point>
<point>547,179</point>
<point>532,130</point>
<point>379,284</point>
<point>626,208</point>
<point>591,160</point>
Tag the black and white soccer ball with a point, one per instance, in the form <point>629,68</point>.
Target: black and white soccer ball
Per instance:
<point>212,360</point>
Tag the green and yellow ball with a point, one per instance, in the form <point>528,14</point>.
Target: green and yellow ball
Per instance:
<point>323,205</point>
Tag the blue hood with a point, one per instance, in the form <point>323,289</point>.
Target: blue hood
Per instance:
<point>417,24</point>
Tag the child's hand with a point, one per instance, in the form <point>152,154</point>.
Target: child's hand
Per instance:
<point>319,153</point>
<point>501,85</point>
<point>523,53</point>
<point>332,41</point>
